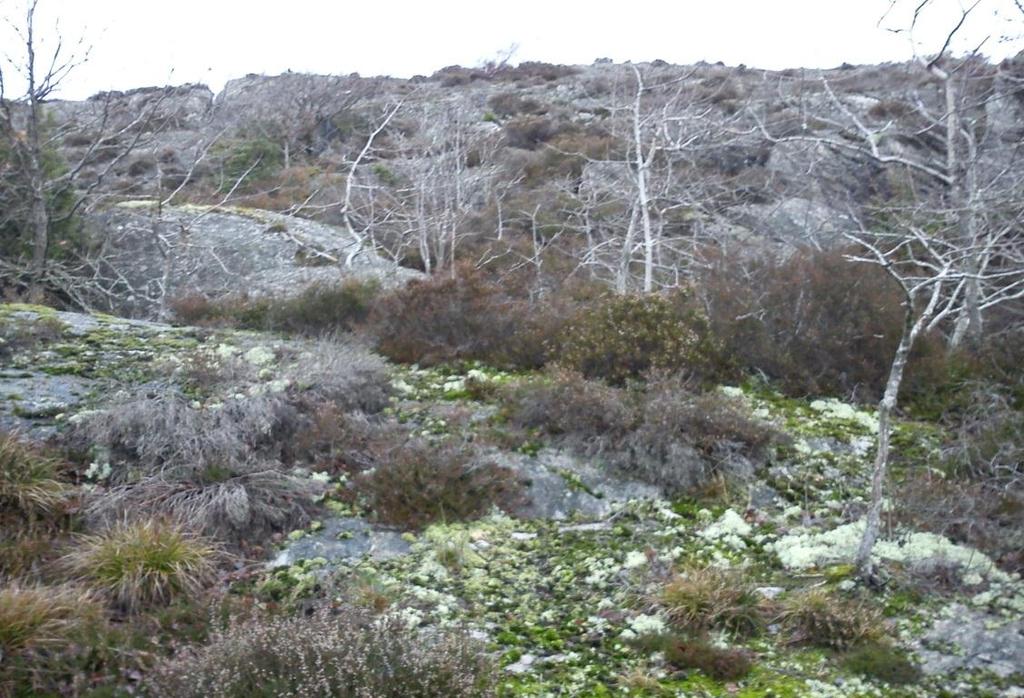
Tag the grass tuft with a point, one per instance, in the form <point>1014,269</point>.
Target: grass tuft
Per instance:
<point>143,564</point>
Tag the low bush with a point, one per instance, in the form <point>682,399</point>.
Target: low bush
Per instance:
<point>417,484</point>
<point>442,320</point>
<point>328,655</point>
<point>563,403</point>
<point>143,564</point>
<point>237,505</point>
<point>661,432</point>
<point>882,663</point>
<point>985,514</point>
<point>700,599</point>
<point>319,309</point>
<point>821,618</point>
<point>621,338</point>
<point>17,334</point>
<point>164,434</point>
<point>339,373</point>
<point>683,653</point>
<point>684,440</point>
<point>814,322</point>
<point>29,484</point>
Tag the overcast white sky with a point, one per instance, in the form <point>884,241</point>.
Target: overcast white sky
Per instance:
<point>145,42</point>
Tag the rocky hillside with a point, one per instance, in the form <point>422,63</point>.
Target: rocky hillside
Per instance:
<point>589,581</point>
<point>507,164</point>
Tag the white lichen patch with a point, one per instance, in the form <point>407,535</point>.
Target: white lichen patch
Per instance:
<point>730,529</point>
<point>833,409</point>
<point>807,549</point>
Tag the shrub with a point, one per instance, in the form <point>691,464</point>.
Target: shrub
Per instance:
<point>20,335</point>
<point>529,132</point>
<point>660,433</point>
<point>143,564</point>
<point>260,157</point>
<point>440,319</point>
<point>985,514</point>
<point>683,653</point>
<point>29,487</point>
<point>43,617</point>
<point>623,337</point>
<point>563,403</point>
<point>418,484</point>
<point>240,505</point>
<point>339,373</point>
<point>686,439</point>
<point>166,435</point>
<point>319,309</point>
<point>824,619</point>
<point>699,599</point>
<point>328,655</point>
<point>815,322</point>
<point>511,103</point>
<point>989,442</point>
<point>883,663</point>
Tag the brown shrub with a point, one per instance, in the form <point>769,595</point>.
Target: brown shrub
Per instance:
<point>984,514</point>
<point>417,484</point>
<point>529,132</point>
<point>441,320</point>
<point>685,653</point>
<point>700,599</point>
<point>317,310</point>
<point>815,322</point>
<point>661,433</point>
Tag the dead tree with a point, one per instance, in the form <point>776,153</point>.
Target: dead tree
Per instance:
<point>29,145</point>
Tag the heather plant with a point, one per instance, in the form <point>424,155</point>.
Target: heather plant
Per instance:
<point>137,565</point>
<point>318,309</point>
<point>329,654</point>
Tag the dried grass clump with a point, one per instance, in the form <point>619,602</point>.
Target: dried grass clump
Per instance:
<point>700,599</point>
<point>143,564</point>
<point>29,488</point>
<point>328,655</point>
<point>825,619</point>
<point>341,373</point>
<point>165,434</point>
<point>418,484</point>
<point>231,505</point>
<point>36,617</point>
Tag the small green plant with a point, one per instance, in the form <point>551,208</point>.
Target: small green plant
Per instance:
<point>28,480</point>
<point>143,564</point>
<point>43,617</point>
<point>621,338</point>
<point>825,619</point>
<point>882,662</point>
<point>699,599</point>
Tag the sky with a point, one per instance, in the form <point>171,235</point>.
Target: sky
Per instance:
<point>136,43</point>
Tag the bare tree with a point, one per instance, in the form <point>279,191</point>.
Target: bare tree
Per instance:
<point>29,143</point>
<point>943,141</point>
<point>932,269</point>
